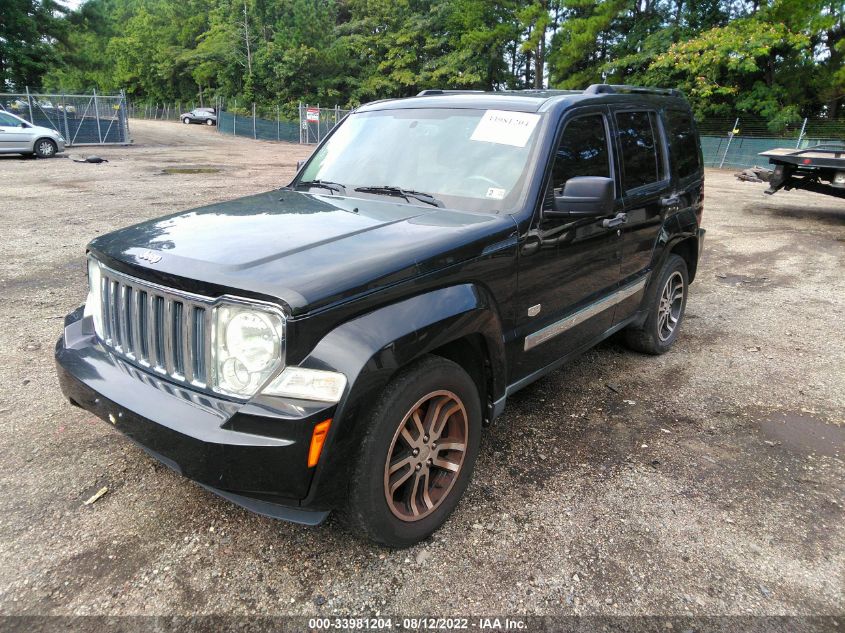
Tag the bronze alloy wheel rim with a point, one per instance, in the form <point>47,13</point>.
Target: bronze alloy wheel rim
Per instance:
<point>426,455</point>
<point>671,303</point>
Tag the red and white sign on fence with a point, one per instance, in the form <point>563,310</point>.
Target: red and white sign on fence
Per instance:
<point>312,115</point>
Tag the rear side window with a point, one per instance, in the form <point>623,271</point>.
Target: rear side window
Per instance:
<point>685,152</point>
<point>642,149</point>
<point>582,150</point>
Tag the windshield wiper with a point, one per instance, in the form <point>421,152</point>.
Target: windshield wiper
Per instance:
<point>335,187</point>
<point>389,190</point>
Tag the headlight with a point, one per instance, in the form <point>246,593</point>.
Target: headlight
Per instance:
<point>307,384</point>
<point>93,304</point>
<point>248,348</point>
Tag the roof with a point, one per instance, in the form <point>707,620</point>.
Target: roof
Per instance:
<point>521,100</point>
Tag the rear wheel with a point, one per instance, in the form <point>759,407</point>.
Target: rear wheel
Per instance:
<point>45,148</point>
<point>665,307</point>
<point>418,454</point>
<point>209,121</point>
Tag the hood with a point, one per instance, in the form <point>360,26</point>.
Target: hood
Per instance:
<point>46,131</point>
<point>306,250</point>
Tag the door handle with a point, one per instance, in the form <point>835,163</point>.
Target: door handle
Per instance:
<point>618,220</point>
<point>671,201</point>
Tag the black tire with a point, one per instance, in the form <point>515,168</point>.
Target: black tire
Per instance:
<point>654,335</point>
<point>45,148</point>
<point>209,121</point>
<point>369,513</point>
<point>186,120</point>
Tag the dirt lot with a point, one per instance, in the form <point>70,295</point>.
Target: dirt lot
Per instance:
<point>707,481</point>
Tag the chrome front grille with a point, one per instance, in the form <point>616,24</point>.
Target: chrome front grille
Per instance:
<point>158,328</point>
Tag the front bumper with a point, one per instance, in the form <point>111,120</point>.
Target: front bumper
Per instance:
<point>254,454</point>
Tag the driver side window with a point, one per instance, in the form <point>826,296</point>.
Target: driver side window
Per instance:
<point>582,151</point>
<point>8,121</point>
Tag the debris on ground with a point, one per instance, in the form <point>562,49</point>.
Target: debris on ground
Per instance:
<point>95,160</point>
<point>97,495</point>
<point>754,174</point>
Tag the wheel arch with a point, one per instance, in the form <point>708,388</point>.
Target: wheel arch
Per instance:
<point>687,249</point>
<point>460,323</point>
<point>472,353</point>
<point>38,139</point>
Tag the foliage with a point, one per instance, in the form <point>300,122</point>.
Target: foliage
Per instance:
<point>29,31</point>
<point>777,59</point>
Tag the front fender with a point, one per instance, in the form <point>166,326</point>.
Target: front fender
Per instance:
<point>370,349</point>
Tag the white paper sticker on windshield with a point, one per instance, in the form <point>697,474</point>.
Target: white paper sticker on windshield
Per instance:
<point>496,193</point>
<point>507,128</point>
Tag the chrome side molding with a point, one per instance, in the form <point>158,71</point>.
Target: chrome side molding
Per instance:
<point>567,323</point>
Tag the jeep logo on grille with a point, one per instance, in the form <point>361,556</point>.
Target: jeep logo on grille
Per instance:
<point>150,257</point>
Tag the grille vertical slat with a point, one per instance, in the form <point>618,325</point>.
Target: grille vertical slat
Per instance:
<point>151,330</point>
<point>187,342</point>
<point>143,326</point>
<point>160,328</point>
<point>166,332</point>
<point>176,333</point>
<point>198,327</point>
<point>114,309</point>
<point>206,352</point>
<point>157,328</point>
<point>123,324</point>
<point>106,305</point>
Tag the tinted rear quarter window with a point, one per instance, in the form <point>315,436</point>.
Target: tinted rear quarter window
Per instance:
<point>642,149</point>
<point>685,152</point>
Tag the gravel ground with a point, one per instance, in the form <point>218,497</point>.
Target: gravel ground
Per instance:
<point>706,481</point>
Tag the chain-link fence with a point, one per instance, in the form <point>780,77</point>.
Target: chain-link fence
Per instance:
<point>735,143</point>
<point>270,123</point>
<point>82,119</point>
<point>267,123</point>
<point>316,122</point>
<point>163,111</point>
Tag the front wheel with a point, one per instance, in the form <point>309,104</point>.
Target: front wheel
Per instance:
<point>417,455</point>
<point>45,148</point>
<point>664,305</point>
<point>186,120</point>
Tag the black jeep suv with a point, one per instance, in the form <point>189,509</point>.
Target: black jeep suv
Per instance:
<point>339,343</point>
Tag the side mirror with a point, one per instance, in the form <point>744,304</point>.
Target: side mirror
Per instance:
<point>584,196</point>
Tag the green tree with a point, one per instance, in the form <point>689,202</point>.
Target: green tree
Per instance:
<point>765,64</point>
<point>29,30</point>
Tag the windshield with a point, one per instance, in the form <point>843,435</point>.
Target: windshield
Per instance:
<point>474,160</point>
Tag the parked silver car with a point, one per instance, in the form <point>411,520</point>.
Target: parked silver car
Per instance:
<point>200,115</point>
<point>18,136</point>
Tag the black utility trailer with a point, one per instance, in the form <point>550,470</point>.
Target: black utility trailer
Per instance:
<point>820,168</point>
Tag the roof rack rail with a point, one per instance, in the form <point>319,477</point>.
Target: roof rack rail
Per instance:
<point>438,91</point>
<point>597,89</point>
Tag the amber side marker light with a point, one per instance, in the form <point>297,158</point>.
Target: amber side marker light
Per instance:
<point>318,438</point>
